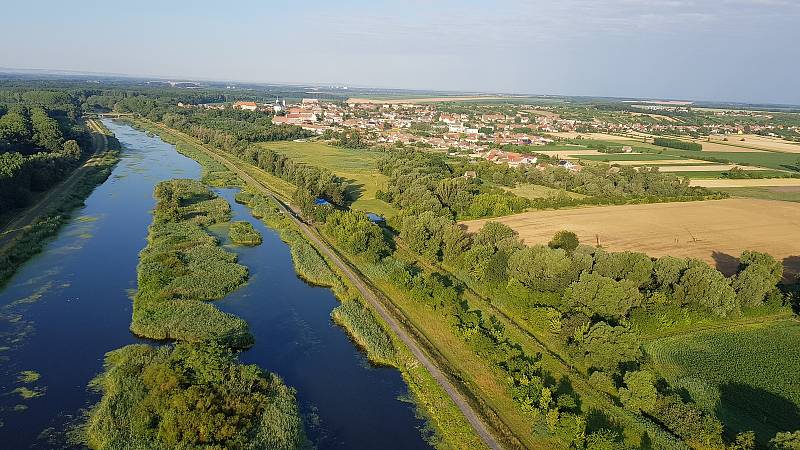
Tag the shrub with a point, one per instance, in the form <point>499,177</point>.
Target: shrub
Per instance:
<point>243,233</point>
<point>564,239</point>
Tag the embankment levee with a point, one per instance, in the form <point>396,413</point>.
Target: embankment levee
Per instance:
<point>447,411</point>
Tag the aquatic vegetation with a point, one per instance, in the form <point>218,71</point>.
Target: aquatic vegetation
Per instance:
<point>28,393</point>
<point>29,376</point>
<point>183,266</point>
<point>189,396</point>
<point>243,233</point>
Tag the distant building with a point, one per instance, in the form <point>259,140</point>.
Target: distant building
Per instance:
<point>247,106</point>
<point>278,107</point>
<point>470,174</point>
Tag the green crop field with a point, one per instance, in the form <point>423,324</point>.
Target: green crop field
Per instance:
<point>534,191</point>
<point>766,193</point>
<point>771,160</point>
<point>747,374</point>
<point>358,167</point>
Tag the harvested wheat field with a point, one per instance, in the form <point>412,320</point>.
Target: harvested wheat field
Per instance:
<point>717,146</point>
<point>767,143</point>
<point>716,231</point>
<point>760,182</point>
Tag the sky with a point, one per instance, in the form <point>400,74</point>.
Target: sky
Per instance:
<point>720,50</point>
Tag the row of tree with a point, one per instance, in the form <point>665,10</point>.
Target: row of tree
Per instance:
<point>40,143</point>
<point>677,143</point>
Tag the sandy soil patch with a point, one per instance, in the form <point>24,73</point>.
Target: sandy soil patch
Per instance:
<point>715,231</point>
<point>707,167</point>
<point>788,182</point>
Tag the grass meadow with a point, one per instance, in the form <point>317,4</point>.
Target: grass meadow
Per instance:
<point>358,167</point>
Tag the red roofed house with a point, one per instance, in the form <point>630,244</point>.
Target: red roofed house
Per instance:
<point>249,106</point>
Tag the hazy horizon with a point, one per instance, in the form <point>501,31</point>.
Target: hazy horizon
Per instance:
<point>728,50</point>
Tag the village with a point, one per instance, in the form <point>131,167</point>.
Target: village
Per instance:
<point>485,131</point>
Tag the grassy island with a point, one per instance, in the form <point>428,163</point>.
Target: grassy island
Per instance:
<point>183,266</point>
<point>190,396</point>
<point>243,233</point>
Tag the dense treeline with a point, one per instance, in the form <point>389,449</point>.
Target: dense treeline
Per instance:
<point>676,143</point>
<point>423,182</point>
<point>312,180</point>
<point>346,139</point>
<point>183,266</point>
<point>41,142</point>
<point>596,180</point>
<point>190,396</point>
<point>243,126</point>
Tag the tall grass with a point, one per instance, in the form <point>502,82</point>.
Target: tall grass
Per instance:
<point>183,266</point>
<point>352,315</point>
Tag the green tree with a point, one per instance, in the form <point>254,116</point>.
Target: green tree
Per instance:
<point>668,271</point>
<point>786,441</point>
<point>639,392</point>
<point>72,149</point>
<point>541,268</point>
<point>705,286</point>
<point>596,295</point>
<point>758,274</point>
<point>564,239</point>
<point>636,267</point>
<point>605,347</point>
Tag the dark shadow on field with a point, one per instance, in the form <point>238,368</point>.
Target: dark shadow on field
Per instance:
<point>744,408</point>
<point>354,190</point>
<point>598,420</point>
<point>791,269</point>
<point>725,263</point>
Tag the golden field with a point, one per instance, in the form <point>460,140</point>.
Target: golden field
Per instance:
<point>715,231</point>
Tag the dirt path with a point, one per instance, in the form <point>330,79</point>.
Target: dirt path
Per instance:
<point>14,229</point>
<point>365,292</point>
